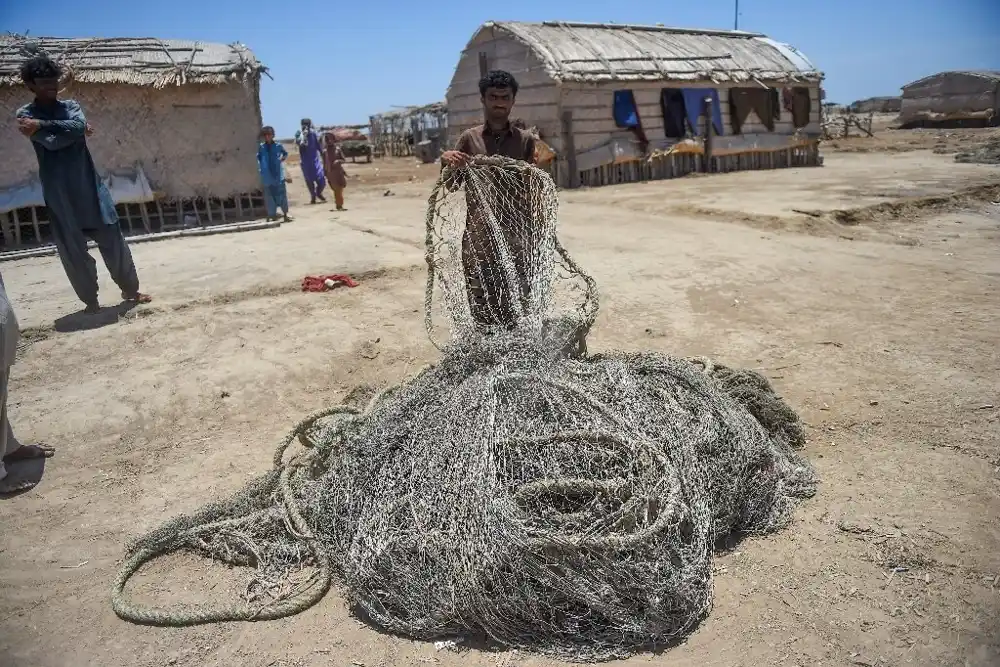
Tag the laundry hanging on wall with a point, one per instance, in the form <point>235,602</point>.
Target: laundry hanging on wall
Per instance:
<point>625,111</point>
<point>798,102</point>
<point>674,113</point>
<point>694,101</point>
<point>744,100</point>
<point>626,115</point>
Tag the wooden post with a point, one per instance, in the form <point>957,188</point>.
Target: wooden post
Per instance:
<point>145,217</point>
<point>159,213</point>
<point>995,119</point>
<point>8,238</point>
<point>709,130</point>
<point>17,227</point>
<point>484,64</point>
<point>569,148</point>
<point>34,223</point>
<point>128,218</point>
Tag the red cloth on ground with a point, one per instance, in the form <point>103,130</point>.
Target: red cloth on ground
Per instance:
<point>318,283</point>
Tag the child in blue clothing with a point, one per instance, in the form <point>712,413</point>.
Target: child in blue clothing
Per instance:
<point>271,158</point>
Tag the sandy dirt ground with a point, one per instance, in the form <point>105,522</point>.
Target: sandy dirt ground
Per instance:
<point>883,334</point>
<point>888,139</point>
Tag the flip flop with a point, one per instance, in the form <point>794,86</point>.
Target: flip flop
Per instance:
<point>137,298</point>
<point>26,452</point>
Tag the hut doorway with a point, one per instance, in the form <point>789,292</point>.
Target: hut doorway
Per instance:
<point>674,113</point>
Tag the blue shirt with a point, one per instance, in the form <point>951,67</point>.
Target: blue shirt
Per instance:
<point>270,164</point>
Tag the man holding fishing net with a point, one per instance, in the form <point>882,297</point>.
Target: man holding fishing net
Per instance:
<point>490,298</point>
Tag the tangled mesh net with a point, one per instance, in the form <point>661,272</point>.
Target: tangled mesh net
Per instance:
<point>552,500</point>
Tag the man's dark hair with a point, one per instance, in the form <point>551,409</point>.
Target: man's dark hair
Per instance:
<point>498,79</point>
<point>40,67</point>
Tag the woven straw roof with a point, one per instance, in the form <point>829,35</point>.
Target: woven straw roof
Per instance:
<point>140,61</point>
<point>985,74</point>
<point>414,110</point>
<point>595,52</point>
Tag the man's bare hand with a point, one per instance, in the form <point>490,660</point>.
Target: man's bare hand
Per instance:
<point>28,126</point>
<point>90,130</point>
<point>455,159</point>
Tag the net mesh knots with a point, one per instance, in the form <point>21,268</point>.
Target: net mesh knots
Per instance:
<point>519,488</point>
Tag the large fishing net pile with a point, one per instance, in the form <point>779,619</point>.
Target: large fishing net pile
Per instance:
<point>518,488</point>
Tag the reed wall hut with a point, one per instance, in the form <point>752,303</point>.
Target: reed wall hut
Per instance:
<point>952,99</point>
<point>877,105</point>
<point>398,133</point>
<point>176,131</point>
<point>627,102</point>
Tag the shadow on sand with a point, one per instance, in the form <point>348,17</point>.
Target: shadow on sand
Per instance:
<point>84,321</point>
<point>25,470</point>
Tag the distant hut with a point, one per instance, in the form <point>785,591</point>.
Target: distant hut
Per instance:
<point>877,105</point>
<point>176,129</point>
<point>624,102</point>
<point>399,133</point>
<point>952,99</point>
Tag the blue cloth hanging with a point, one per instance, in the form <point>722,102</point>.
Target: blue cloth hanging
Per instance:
<point>693,102</point>
<point>625,113</point>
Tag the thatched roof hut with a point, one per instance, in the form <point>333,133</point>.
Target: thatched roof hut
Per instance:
<point>575,78</point>
<point>182,115</point>
<point>952,99</point>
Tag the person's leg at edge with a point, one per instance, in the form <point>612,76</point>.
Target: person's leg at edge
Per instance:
<point>118,258</point>
<point>12,450</point>
<point>282,201</point>
<point>271,201</point>
<point>320,184</point>
<point>312,189</point>
<point>80,267</point>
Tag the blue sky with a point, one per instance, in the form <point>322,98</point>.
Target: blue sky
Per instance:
<point>338,62</point>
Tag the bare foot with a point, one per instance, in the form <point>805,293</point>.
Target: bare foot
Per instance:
<point>138,297</point>
<point>24,452</point>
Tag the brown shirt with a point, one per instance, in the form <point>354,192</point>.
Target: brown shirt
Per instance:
<point>512,142</point>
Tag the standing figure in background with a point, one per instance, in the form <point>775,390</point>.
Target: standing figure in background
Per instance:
<point>311,156</point>
<point>79,204</point>
<point>271,158</point>
<point>335,168</point>
<point>10,449</point>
